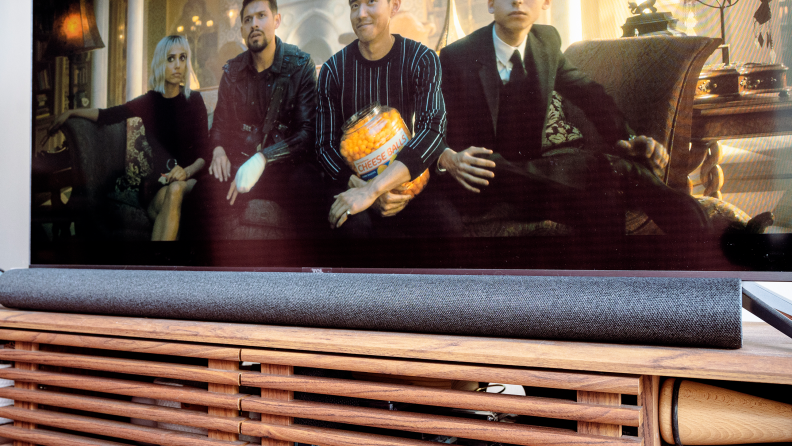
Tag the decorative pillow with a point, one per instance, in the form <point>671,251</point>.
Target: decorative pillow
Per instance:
<point>558,131</point>
<point>137,167</point>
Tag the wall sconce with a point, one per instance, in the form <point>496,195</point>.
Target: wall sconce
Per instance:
<point>232,14</point>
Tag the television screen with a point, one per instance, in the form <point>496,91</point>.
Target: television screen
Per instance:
<point>374,162</point>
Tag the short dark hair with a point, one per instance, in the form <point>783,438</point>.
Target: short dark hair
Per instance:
<point>273,4</point>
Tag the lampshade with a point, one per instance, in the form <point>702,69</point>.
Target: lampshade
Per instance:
<point>74,30</point>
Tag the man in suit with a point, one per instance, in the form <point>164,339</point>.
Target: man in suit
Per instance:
<point>498,84</point>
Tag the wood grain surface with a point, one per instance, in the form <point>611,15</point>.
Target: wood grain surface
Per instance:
<point>432,424</point>
<point>124,409</point>
<point>221,434</point>
<point>278,395</point>
<point>766,355</point>
<point>710,415</point>
<point>116,429</point>
<point>325,437</point>
<point>50,438</point>
<point>22,365</point>
<point>649,428</point>
<point>132,366</point>
<point>521,405</point>
<point>188,395</point>
<point>599,428</point>
<point>126,345</point>
<point>594,382</point>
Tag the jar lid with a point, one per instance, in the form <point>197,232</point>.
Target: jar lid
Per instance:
<point>365,113</point>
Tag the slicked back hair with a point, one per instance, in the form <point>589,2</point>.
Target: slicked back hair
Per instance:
<point>273,4</point>
<point>160,59</point>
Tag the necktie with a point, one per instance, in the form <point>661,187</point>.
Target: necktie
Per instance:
<point>518,70</point>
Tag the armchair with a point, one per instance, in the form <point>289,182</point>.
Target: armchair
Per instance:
<point>652,79</point>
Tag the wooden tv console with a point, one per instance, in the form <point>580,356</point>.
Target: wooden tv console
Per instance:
<point>76,376</point>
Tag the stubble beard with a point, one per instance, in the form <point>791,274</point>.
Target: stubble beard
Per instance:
<point>257,47</point>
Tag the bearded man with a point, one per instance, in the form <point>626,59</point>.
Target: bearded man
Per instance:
<point>263,132</point>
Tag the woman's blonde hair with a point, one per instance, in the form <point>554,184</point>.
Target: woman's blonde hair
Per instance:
<point>160,59</point>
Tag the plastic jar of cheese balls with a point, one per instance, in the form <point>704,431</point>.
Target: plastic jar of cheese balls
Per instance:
<point>372,138</point>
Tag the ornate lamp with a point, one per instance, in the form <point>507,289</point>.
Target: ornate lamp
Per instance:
<point>74,32</point>
<point>721,5</point>
<point>452,30</point>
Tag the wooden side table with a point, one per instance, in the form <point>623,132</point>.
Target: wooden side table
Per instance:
<point>747,117</point>
<point>109,359</point>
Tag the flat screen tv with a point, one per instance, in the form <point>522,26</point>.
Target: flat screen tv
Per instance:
<point>757,171</point>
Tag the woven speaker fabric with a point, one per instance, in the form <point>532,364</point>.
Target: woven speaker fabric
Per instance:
<point>665,311</point>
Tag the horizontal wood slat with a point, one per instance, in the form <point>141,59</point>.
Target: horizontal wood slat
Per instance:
<point>116,429</point>
<point>126,345</point>
<point>125,387</point>
<point>325,437</point>
<point>125,409</point>
<point>593,382</point>
<point>433,424</point>
<point>766,355</point>
<point>521,405</point>
<point>133,366</point>
<point>49,438</point>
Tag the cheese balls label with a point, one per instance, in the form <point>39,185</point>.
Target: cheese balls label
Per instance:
<point>368,166</point>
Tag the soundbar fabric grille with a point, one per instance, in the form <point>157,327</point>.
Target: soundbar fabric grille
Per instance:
<point>666,311</point>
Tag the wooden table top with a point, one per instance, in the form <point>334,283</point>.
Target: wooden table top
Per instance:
<point>748,104</point>
<point>752,116</point>
<point>766,355</point>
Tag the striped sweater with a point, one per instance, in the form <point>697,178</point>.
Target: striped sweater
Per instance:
<point>407,79</point>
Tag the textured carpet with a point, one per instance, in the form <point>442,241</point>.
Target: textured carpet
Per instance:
<point>667,311</point>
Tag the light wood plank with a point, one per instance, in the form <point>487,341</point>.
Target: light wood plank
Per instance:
<point>133,366</point>
<point>32,347</point>
<point>126,409</point>
<point>648,399</point>
<point>215,364</point>
<point>116,429</point>
<point>276,394</point>
<point>433,424</point>
<point>607,399</point>
<point>49,438</point>
<point>593,382</point>
<point>714,415</point>
<point>325,437</point>
<point>766,355</point>
<point>126,345</point>
<point>521,405</point>
<point>188,395</point>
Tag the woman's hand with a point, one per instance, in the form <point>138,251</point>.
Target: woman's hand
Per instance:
<point>351,202</point>
<point>221,166</point>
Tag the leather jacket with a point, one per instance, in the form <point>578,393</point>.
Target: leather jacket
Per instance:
<point>291,134</point>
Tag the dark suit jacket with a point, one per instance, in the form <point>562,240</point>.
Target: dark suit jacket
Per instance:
<point>471,89</point>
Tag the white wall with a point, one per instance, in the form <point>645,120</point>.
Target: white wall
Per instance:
<point>15,150</point>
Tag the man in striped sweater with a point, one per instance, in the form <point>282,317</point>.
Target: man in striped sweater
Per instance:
<point>402,74</point>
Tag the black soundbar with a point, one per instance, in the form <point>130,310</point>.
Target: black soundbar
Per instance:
<point>703,312</point>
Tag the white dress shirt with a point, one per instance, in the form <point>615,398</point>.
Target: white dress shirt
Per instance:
<point>503,52</point>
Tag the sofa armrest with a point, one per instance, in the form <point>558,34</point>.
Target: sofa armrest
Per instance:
<point>98,155</point>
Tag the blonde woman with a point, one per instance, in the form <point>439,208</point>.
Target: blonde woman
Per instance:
<point>176,126</point>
